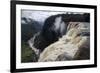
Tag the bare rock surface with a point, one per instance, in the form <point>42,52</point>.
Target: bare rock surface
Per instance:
<point>72,46</point>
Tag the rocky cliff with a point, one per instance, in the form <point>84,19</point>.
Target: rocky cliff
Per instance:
<point>74,45</point>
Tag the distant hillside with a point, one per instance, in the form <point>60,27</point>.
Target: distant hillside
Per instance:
<point>29,27</point>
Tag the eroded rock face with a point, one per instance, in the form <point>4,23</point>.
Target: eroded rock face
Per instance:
<point>72,46</point>
<point>54,27</point>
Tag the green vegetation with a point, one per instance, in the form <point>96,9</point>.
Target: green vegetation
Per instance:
<point>27,55</point>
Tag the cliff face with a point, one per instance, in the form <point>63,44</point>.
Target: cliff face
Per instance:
<point>55,27</point>
<point>54,37</point>
<point>74,45</point>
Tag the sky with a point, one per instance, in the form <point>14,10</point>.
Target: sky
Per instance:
<point>38,15</point>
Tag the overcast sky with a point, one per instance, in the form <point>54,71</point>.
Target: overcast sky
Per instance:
<point>41,15</point>
<point>38,15</point>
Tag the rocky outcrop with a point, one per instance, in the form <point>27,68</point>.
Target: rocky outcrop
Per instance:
<point>73,46</point>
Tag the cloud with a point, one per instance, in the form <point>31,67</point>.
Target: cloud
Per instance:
<point>38,15</point>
